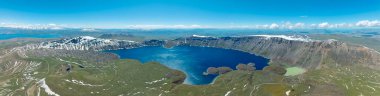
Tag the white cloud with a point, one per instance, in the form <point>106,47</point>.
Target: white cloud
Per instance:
<point>328,25</point>
<point>265,26</point>
<point>52,24</point>
<point>242,26</point>
<point>289,25</point>
<point>304,16</point>
<point>299,25</point>
<point>324,25</point>
<point>344,25</point>
<point>274,26</point>
<point>368,23</point>
<point>341,25</point>
<point>164,26</point>
<point>33,26</point>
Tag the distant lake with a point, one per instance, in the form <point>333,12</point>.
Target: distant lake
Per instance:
<point>192,60</point>
<point>11,36</point>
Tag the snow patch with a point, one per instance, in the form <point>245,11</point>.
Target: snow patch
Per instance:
<point>43,84</point>
<point>228,93</point>
<point>155,81</point>
<point>331,41</point>
<point>287,92</point>
<point>88,37</point>
<point>80,83</point>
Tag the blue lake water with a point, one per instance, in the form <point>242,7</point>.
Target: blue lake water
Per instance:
<point>11,36</point>
<point>192,60</point>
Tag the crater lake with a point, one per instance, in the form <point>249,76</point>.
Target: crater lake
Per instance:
<point>191,60</point>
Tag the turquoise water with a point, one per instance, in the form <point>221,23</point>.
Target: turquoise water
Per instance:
<point>192,60</point>
<point>11,36</point>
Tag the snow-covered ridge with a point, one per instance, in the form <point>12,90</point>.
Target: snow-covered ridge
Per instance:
<point>84,43</point>
<point>293,37</point>
<point>77,43</point>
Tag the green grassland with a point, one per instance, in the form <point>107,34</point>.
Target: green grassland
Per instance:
<point>354,81</point>
<point>122,77</point>
<point>292,71</point>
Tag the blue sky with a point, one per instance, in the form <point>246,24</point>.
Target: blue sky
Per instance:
<point>118,13</point>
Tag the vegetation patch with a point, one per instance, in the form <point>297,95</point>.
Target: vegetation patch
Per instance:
<point>292,71</point>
